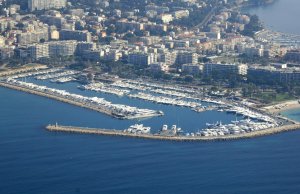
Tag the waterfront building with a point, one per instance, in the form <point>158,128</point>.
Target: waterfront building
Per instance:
<point>62,48</point>
<point>251,52</point>
<point>59,49</point>
<point>293,55</point>
<point>159,67</point>
<point>6,52</point>
<point>167,57</point>
<point>225,69</point>
<point>113,55</point>
<point>84,46</point>
<point>184,57</point>
<point>272,74</point>
<point>193,69</point>
<point>93,55</point>
<point>142,58</point>
<point>38,51</point>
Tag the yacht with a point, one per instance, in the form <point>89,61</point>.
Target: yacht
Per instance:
<point>138,129</point>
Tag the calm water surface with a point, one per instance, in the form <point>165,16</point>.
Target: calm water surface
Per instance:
<point>281,16</point>
<point>35,161</point>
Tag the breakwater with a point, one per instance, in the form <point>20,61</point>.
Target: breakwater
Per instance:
<point>113,132</point>
<point>82,104</point>
<point>47,95</point>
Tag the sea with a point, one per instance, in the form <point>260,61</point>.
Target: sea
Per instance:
<point>281,16</point>
<point>35,161</point>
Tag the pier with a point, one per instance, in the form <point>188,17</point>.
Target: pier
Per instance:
<point>83,104</point>
<point>113,132</point>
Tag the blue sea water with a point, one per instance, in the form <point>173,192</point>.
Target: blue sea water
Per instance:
<point>281,16</point>
<point>35,161</point>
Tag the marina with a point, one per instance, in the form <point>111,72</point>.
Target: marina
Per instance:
<point>291,41</point>
<point>57,75</point>
<point>111,132</point>
<point>250,119</point>
<point>100,87</point>
<point>98,104</point>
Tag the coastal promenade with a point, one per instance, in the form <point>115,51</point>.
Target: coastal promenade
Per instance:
<point>33,67</point>
<point>113,132</point>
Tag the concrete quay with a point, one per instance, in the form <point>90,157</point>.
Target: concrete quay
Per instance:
<point>34,67</point>
<point>112,132</point>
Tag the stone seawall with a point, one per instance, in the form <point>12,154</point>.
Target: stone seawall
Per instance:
<point>112,132</point>
<point>78,103</point>
<point>47,95</point>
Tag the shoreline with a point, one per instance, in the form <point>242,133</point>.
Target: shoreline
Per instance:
<point>113,132</point>
<point>282,106</point>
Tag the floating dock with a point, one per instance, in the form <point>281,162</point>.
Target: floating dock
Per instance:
<point>113,132</point>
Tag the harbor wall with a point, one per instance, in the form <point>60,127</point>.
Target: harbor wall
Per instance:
<point>112,132</point>
<point>56,98</point>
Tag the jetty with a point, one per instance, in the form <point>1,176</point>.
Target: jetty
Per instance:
<point>139,113</point>
<point>121,133</point>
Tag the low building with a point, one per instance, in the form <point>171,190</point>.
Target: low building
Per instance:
<point>293,55</point>
<point>165,18</point>
<point>181,14</point>
<point>272,74</point>
<point>159,67</point>
<point>252,52</point>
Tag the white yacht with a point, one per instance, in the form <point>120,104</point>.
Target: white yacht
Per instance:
<point>138,129</point>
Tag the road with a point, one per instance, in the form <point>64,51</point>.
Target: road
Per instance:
<point>208,17</point>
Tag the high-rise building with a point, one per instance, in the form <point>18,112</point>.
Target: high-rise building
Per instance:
<point>46,4</point>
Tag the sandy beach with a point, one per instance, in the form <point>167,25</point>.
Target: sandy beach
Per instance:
<point>283,106</point>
